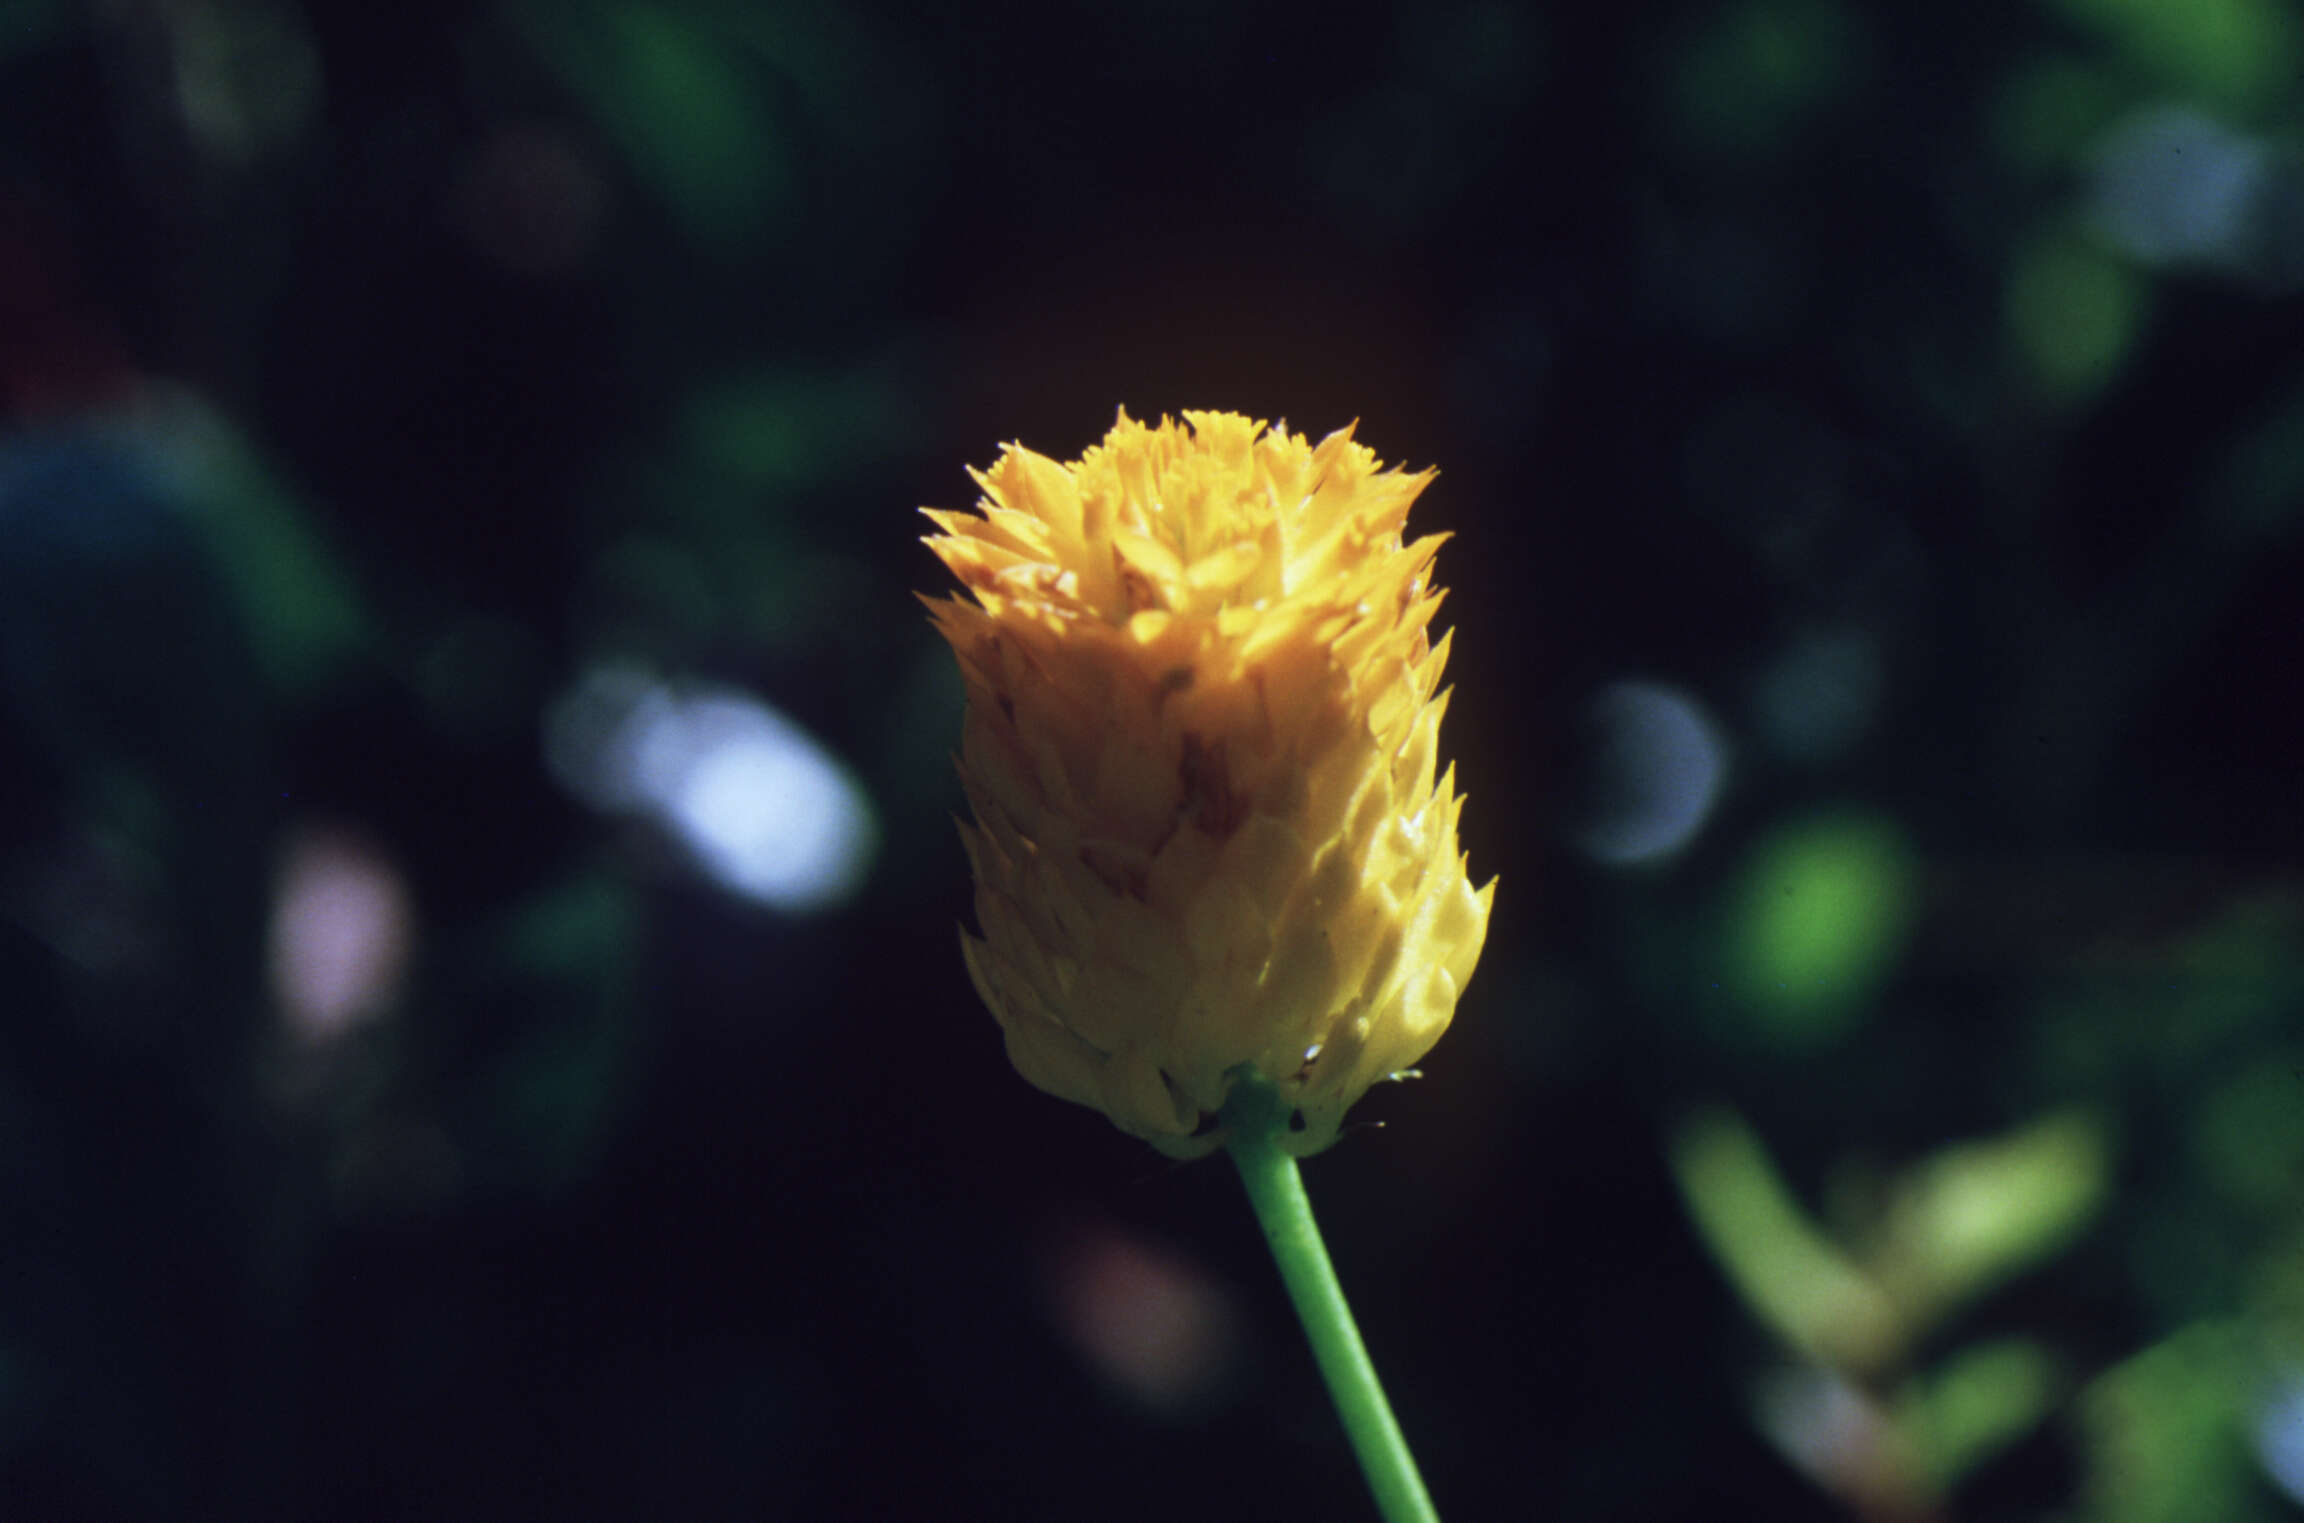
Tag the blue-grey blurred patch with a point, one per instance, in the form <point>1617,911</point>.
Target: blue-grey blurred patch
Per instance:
<point>115,639</point>
<point>2276,245</point>
<point>2171,186</point>
<point>1815,699</point>
<point>1654,772</point>
<point>80,498</point>
<point>2277,1431</point>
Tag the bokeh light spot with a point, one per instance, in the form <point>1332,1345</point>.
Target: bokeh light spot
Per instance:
<point>1815,922</point>
<point>2170,186</point>
<point>1656,772</point>
<point>2277,1431</point>
<point>759,805</point>
<point>766,809</point>
<point>343,927</point>
<point>1150,1322</point>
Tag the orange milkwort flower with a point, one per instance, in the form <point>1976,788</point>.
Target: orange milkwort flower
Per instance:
<point>1202,732</point>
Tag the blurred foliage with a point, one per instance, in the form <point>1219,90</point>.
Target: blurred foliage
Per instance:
<point>679,96</point>
<point>398,1118</point>
<point>2073,312</point>
<point>1975,1403</point>
<point>2239,55</point>
<point>2166,1429</point>
<point>1751,75</point>
<point>1816,925</point>
<point>298,603</point>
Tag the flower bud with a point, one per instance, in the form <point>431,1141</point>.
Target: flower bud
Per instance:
<point>1201,749</point>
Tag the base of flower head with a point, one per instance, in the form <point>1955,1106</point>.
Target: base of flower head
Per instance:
<point>1261,1108</point>
<point>1255,1109</point>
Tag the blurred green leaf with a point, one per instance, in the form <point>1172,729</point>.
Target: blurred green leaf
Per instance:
<point>583,931</point>
<point>2184,1254</point>
<point>684,107</point>
<point>1975,1214</point>
<point>784,429</point>
<point>2248,1138</point>
<point>1975,1404</point>
<point>247,78</point>
<point>296,598</point>
<point>1758,70</point>
<point>2243,55</point>
<point>827,56</point>
<point>2259,488</point>
<point>2252,943</point>
<point>1794,1280</point>
<point>558,1090</point>
<point>1815,922</point>
<point>2273,1290</point>
<point>2165,1438</point>
<point>2051,109</point>
<point>2074,312</point>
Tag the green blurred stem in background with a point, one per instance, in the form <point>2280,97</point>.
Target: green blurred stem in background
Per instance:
<point>1253,1117</point>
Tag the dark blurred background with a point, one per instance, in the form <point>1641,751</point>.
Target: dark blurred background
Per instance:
<point>481,1028</point>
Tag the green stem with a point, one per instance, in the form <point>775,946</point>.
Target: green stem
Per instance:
<point>1252,1118</point>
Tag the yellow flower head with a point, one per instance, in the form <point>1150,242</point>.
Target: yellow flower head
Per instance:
<point>1203,727</point>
